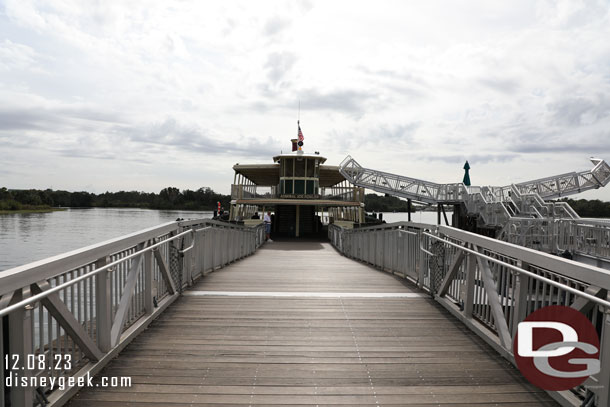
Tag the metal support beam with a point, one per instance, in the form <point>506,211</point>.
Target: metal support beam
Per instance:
<point>59,310</point>
<point>103,306</point>
<point>444,215</point>
<point>521,292</point>
<point>20,345</point>
<point>148,283</point>
<point>603,396</point>
<point>169,281</point>
<point>583,305</point>
<point>468,295</point>
<point>125,302</point>
<point>453,269</point>
<point>494,302</point>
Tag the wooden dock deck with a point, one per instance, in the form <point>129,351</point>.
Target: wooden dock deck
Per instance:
<point>299,324</point>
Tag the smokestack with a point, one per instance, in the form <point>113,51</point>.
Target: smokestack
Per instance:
<point>294,144</point>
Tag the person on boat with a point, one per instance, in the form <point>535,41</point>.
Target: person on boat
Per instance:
<point>267,221</point>
<point>255,216</point>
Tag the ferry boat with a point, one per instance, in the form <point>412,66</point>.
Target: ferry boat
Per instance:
<point>303,193</point>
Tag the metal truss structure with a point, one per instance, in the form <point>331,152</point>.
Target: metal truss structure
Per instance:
<point>494,206</point>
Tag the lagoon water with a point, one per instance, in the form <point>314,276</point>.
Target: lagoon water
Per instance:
<point>28,237</point>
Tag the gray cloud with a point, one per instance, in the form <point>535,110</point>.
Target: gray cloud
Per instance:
<point>403,83</point>
<point>345,101</point>
<point>52,119</point>
<point>108,144</point>
<point>278,65</point>
<point>525,140</point>
<point>472,158</point>
<point>400,132</point>
<point>502,85</point>
<point>394,75</point>
<point>577,111</point>
<point>275,25</point>
<point>393,135</point>
<point>172,134</point>
<point>17,119</point>
<point>563,146</point>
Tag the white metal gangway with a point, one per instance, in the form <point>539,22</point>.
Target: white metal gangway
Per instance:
<point>494,206</point>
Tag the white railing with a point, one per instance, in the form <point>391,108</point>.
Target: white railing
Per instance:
<point>587,238</point>
<point>489,285</point>
<point>86,305</point>
<point>494,205</point>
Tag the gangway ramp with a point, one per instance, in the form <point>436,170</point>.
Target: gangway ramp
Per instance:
<point>298,324</point>
<point>494,206</point>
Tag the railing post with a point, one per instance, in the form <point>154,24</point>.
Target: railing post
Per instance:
<point>422,264</point>
<point>103,306</point>
<point>148,282</point>
<point>20,346</point>
<point>603,395</point>
<point>471,267</point>
<point>521,293</point>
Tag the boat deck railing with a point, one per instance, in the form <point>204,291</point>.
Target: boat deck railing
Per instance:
<point>337,193</point>
<point>489,285</point>
<point>69,315</point>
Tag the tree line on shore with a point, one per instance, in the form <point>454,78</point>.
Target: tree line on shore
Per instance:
<point>204,199</point>
<point>168,198</point>
<point>589,208</point>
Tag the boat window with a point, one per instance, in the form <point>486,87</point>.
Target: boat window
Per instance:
<point>309,187</point>
<point>299,187</point>
<point>288,162</point>
<point>310,168</point>
<point>288,186</point>
<point>299,170</point>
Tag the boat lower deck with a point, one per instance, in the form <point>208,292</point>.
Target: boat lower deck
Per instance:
<point>299,324</point>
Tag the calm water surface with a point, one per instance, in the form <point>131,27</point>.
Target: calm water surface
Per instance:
<point>33,236</point>
<point>25,238</point>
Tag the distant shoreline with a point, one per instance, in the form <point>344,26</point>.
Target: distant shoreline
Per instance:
<point>36,210</point>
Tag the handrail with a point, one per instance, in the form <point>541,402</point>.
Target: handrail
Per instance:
<point>98,298</point>
<point>30,273</point>
<point>489,285</point>
<point>46,293</point>
<point>564,287</point>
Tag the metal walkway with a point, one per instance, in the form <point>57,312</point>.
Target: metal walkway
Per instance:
<point>495,206</point>
<point>298,324</point>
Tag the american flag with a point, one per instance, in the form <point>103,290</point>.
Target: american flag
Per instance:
<point>301,138</point>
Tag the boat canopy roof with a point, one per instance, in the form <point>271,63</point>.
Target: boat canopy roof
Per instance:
<point>269,174</point>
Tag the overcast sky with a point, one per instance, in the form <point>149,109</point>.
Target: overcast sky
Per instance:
<point>140,95</point>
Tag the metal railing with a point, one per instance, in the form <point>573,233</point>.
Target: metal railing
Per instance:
<point>347,194</point>
<point>585,239</point>
<point>489,285</point>
<point>494,205</point>
<point>84,306</point>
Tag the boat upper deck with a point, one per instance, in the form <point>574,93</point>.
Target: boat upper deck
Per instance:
<point>298,324</point>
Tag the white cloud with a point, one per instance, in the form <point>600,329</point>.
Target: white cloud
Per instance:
<point>182,91</point>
